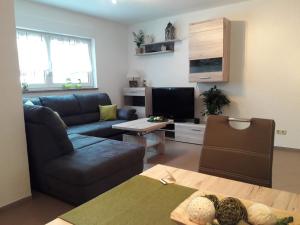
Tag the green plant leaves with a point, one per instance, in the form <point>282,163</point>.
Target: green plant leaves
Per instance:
<point>139,38</point>
<point>214,100</point>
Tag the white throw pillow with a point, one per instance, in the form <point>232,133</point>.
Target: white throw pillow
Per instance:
<point>28,102</point>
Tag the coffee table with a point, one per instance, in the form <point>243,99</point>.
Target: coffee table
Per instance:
<point>147,134</point>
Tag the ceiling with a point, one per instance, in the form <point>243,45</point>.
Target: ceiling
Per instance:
<point>135,11</point>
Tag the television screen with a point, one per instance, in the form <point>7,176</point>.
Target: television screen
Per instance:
<point>173,103</point>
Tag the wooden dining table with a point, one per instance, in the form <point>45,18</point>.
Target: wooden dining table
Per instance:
<point>274,198</point>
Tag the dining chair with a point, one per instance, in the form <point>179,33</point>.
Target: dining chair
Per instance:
<point>239,154</point>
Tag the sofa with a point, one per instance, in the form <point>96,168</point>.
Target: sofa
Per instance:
<point>81,113</point>
<point>81,161</point>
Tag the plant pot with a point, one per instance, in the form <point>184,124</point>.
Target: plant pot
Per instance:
<point>139,51</point>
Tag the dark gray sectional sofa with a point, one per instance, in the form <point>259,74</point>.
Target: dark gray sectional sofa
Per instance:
<point>81,113</point>
<point>82,161</point>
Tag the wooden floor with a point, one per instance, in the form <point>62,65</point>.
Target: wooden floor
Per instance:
<point>42,208</point>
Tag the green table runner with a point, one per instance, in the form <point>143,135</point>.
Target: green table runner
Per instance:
<point>138,201</point>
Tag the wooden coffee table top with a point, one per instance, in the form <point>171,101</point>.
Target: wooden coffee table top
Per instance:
<point>141,125</point>
<point>271,197</point>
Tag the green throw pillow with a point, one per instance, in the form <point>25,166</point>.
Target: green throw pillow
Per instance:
<point>108,112</point>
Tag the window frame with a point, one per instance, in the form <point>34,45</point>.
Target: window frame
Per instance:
<point>49,84</point>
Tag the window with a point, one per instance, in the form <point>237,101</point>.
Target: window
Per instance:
<point>51,61</point>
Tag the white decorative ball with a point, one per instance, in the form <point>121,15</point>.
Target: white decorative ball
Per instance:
<point>260,214</point>
<point>201,210</point>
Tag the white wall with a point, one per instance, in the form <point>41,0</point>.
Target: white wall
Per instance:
<point>111,40</point>
<point>14,176</point>
<point>265,53</point>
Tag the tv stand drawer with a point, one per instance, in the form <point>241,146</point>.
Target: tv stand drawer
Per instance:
<point>139,91</point>
<point>189,132</point>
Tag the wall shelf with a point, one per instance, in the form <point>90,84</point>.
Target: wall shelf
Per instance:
<point>156,47</point>
<point>161,42</point>
<point>154,53</point>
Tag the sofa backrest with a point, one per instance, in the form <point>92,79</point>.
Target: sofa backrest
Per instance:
<point>67,107</point>
<point>89,105</point>
<point>74,109</point>
<point>47,138</point>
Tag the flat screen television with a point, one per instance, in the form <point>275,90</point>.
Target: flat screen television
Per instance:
<point>174,103</point>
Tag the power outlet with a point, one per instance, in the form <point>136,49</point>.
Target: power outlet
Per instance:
<point>281,132</point>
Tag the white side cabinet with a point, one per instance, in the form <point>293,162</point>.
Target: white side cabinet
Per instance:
<point>189,133</point>
<point>140,99</point>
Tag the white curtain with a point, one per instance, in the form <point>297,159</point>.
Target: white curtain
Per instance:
<point>33,57</point>
<point>70,60</point>
<point>41,53</point>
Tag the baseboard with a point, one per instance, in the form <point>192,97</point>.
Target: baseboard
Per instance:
<point>16,203</point>
<point>278,148</point>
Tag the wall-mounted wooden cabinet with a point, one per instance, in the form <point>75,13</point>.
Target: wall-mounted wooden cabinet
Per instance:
<point>209,55</point>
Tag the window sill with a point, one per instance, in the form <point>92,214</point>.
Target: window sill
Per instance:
<point>58,90</point>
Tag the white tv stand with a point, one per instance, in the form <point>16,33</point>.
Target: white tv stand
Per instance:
<point>185,132</point>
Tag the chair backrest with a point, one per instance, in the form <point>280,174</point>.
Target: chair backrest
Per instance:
<point>239,154</point>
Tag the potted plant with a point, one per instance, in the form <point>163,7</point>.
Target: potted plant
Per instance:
<point>214,101</point>
<point>70,85</point>
<point>139,40</point>
<point>25,87</point>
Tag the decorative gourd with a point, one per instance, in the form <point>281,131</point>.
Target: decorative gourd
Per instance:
<point>260,214</point>
<point>201,210</point>
<point>231,211</point>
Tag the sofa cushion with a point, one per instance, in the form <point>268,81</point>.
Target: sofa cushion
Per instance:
<point>77,195</point>
<point>94,162</point>
<point>90,117</point>
<point>80,141</point>
<point>89,105</point>
<point>97,129</point>
<point>73,120</point>
<point>127,114</point>
<point>65,105</point>
<point>89,102</point>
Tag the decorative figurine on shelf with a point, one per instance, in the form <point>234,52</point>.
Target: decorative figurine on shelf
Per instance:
<point>163,48</point>
<point>144,83</point>
<point>133,76</point>
<point>170,32</point>
<point>148,39</point>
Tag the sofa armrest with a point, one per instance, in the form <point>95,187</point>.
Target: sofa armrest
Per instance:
<point>127,114</point>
